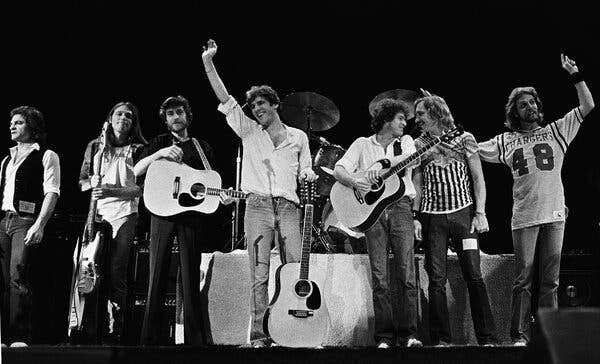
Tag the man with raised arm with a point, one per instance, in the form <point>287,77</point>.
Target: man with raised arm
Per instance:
<point>534,151</point>
<point>275,157</point>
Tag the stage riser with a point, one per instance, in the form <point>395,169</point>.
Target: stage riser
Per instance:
<point>348,296</point>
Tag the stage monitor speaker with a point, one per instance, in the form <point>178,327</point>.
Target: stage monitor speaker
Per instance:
<point>578,288</point>
<point>565,336</point>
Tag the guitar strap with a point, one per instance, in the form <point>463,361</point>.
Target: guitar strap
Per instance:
<point>201,153</point>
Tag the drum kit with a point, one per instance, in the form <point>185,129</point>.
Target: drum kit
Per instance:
<point>312,112</point>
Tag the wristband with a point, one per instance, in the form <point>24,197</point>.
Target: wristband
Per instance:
<point>576,77</point>
<point>480,213</point>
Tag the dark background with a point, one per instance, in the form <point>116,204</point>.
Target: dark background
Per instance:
<point>74,60</point>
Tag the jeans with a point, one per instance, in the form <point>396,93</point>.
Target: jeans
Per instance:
<point>16,271</point>
<point>548,240</point>
<point>394,229</point>
<point>113,284</point>
<point>437,228</point>
<point>267,220</point>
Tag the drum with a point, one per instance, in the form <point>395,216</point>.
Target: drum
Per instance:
<point>344,239</point>
<point>323,166</point>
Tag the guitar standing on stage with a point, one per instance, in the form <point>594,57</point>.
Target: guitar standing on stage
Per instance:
<point>275,157</point>
<point>179,146</point>
<point>393,229</point>
<point>446,209</point>
<point>30,186</point>
<point>117,196</point>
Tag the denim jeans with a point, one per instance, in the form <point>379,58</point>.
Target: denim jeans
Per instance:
<point>437,228</point>
<point>547,239</point>
<point>268,220</point>
<point>113,287</point>
<point>16,271</point>
<point>394,229</point>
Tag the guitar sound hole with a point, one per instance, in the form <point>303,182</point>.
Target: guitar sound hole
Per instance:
<point>302,288</point>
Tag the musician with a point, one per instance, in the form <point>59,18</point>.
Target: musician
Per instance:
<point>447,210</point>
<point>117,196</point>
<point>393,229</point>
<point>30,187</point>
<point>190,227</point>
<point>534,151</point>
<point>275,156</point>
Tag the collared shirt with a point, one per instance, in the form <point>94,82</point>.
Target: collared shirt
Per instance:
<point>268,169</point>
<point>364,152</point>
<point>51,164</point>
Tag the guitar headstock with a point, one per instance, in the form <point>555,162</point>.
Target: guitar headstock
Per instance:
<point>452,133</point>
<point>103,136</point>
<point>308,190</point>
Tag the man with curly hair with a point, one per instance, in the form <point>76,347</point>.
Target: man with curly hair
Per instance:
<point>393,229</point>
<point>534,151</point>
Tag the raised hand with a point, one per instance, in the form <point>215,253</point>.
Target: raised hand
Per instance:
<point>568,64</point>
<point>209,50</point>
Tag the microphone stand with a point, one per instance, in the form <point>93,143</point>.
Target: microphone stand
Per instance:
<point>236,209</point>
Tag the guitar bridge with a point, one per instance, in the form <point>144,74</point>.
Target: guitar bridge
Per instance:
<point>176,182</point>
<point>300,313</point>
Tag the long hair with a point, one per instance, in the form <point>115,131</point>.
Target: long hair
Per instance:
<point>513,120</point>
<point>438,110</point>
<point>385,111</point>
<point>33,120</point>
<point>135,133</point>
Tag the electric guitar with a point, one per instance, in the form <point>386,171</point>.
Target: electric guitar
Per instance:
<point>297,315</point>
<point>88,253</point>
<point>172,188</point>
<point>359,211</point>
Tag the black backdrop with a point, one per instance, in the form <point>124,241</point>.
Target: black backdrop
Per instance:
<point>75,59</point>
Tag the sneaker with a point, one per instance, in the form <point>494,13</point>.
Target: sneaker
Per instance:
<point>384,344</point>
<point>520,342</point>
<point>414,343</point>
<point>18,344</point>
<point>3,345</point>
<point>259,344</point>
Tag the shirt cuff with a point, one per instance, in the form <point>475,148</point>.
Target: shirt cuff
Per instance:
<point>226,107</point>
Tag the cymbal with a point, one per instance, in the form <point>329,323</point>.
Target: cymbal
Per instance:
<point>300,107</point>
<point>408,96</point>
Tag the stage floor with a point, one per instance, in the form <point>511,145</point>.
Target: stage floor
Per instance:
<point>232,354</point>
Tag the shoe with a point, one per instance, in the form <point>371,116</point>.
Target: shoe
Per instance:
<point>414,343</point>
<point>259,344</point>
<point>442,344</point>
<point>384,344</point>
<point>18,344</point>
<point>520,342</point>
<point>3,345</point>
<point>488,345</point>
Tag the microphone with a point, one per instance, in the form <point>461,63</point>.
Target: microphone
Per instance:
<point>321,140</point>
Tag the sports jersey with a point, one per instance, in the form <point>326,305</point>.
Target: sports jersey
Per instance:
<point>535,158</point>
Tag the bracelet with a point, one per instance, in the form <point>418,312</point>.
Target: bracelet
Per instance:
<point>209,71</point>
<point>576,77</point>
<point>480,213</point>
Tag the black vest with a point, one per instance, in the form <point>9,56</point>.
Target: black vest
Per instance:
<point>29,184</point>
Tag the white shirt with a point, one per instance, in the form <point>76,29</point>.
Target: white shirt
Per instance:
<point>266,169</point>
<point>51,165</point>
<point>364,152</point>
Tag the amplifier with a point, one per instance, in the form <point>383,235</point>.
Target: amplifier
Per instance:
<point>141,269</point>
<point>133,325</point>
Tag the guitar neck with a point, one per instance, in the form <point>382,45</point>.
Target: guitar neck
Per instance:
<point>416,155</point>
<point>306,240</point>
<point>231,193</point>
